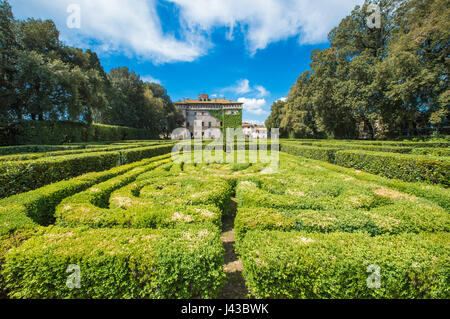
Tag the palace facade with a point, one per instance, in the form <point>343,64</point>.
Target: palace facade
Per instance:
<point>207,117</point>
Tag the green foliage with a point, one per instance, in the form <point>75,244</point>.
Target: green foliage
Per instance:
<point>227,120</point>
<point>37,207</point>
<point>409,168</point>
<point>13,150</point>
<point>84,150</point>
<point>404,216</point>
<point>169,190</point>
<point>44,79</point>
<point>434,193</point>
<point>117,263</point>
<point>45,132</point>
<point>326,154</point>
<point>138,104</point>
<point>8,242</point>
<point>433,167</point>
<point>304,265</point>
<point>374,83</point>
<point>21,176</point>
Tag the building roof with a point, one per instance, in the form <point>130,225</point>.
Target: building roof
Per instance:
<point>211,101</point>
<point>247,125</point>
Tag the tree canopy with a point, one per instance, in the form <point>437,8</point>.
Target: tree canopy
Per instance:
<point>41,78</point>
<point>375,82</point>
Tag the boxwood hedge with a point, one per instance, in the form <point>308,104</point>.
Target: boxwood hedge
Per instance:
<point>326,154</point>
<point>182,190</point>
<point>22,176</point>
<point>145,216</point>
<point>117,263</point>
<point>410,168</point>
<point>105,148</point>
<point>401,217</point>
<point>38,206</point>
<point>340,265</point>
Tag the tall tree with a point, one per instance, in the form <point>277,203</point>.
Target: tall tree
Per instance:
<point>8,46</point>
<point>378,81</point>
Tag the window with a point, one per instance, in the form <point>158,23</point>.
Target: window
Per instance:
<point>209,124</point>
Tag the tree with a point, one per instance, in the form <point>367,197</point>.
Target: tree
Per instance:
<point>276,116</point>
<point>8,46</point>
<point>376,82</point>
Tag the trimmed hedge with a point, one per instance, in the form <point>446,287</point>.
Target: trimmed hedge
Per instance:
<point>45,132</point>
<point>11,150</point>
<point>22,176</point>
<point>99,148</point>
<point>8,242</point>
<point>334,266</point>
<point>180,190</point>
<point>368,143</point>
<point>98,195</point>
<point>435,193</point>
<point>402,217</point>
<point>248,194</point>
<point>146,216</point>
<point>410,168</point>
<point>326,154</point>
<point>37,207</point>
<point>117,263</point>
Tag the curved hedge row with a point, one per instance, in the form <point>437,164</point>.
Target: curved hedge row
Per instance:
<point>90,207</point>
<point>173,191</point>
<point>37,207</point>
<point>117,263</point>
<point>338,265</point>
<point>22,176</point>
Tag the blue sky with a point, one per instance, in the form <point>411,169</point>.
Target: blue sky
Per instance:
<point>246,50</point>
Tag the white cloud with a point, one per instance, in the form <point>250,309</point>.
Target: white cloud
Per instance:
<point>243,87</point>
<point>267,21</point>
<point>262,92</point>
<point>132,27</point>
<point>149,78</point>
<point>283,99</point>
<point>254,106</point>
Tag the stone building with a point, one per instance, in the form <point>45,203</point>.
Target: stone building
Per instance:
<point>254,131</point>
<point>205,117</point>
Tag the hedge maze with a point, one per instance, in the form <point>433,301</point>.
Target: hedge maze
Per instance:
<point>310,232</point>
<point>143,226</point>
